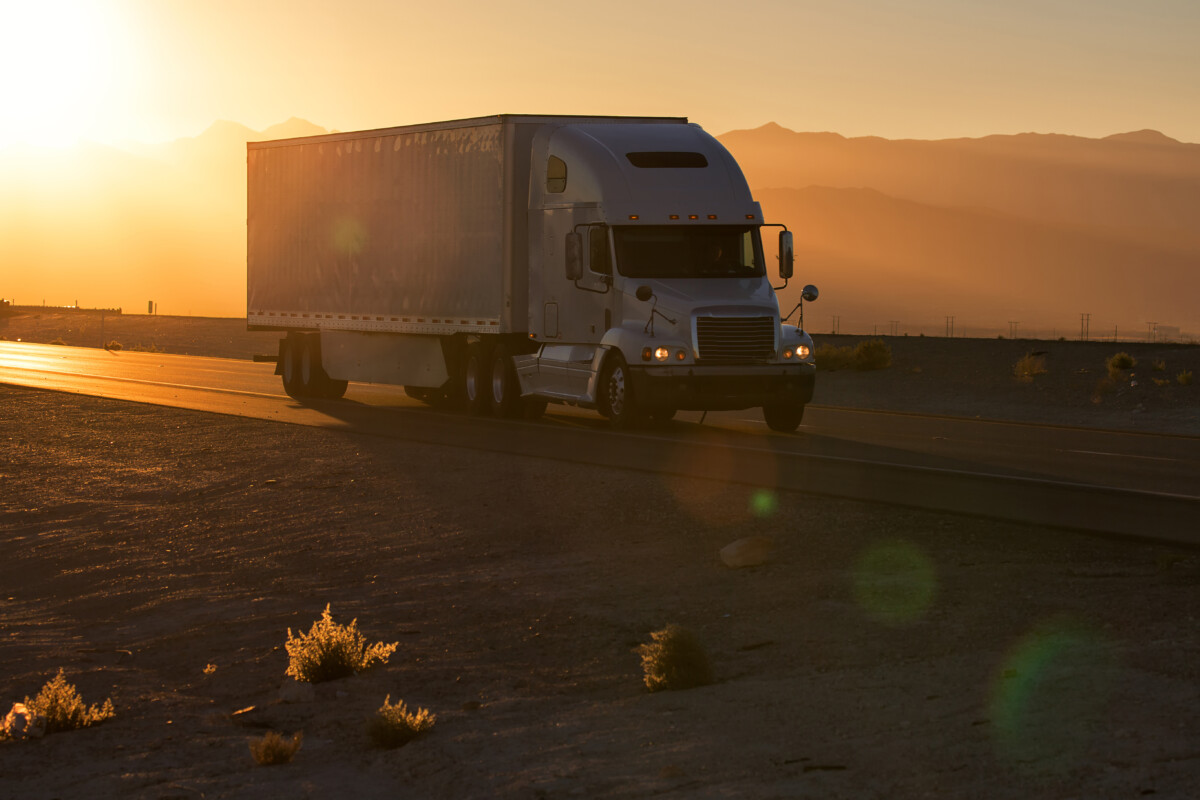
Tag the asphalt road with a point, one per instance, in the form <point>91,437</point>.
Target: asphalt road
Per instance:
<point>1125,483</point>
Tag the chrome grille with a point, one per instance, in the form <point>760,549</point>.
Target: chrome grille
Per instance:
<point>735,340</point>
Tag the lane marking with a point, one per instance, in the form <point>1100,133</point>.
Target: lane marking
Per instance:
<point>1118,455</point>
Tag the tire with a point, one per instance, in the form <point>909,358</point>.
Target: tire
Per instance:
<point>783,417</point>
<point>289,366</point>
<point>313,378</point>
<point>475,380</point>
<point>616,400</point>
<point>505,396</point>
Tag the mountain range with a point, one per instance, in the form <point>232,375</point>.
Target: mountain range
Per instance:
<point>1023,232</point>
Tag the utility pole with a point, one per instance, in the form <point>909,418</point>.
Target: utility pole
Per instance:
<point>949,327</point>
<point>1153,326</point>
<point>1084,323</point>
<point>1012,329</point>
<point>895,326</point>
<point>837,324</point>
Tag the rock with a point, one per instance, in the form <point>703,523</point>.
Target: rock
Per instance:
<point>297,692</point>
<point>21,723</point>
<point>748,552</point>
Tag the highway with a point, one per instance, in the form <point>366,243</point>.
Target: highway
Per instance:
<point>1130,484</point>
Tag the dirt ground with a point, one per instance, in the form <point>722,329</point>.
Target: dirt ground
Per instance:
<point>159,557</point>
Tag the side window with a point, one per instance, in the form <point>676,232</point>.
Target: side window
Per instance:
<point>556,175</point>
<point>599,259</point>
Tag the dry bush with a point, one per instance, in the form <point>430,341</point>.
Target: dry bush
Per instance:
<point>674,660</point>
<point>113,345</point>
<point>1118,362</point>
<point>275,749</point>
<point>330,651</point>
<point>395,725</point>
<point>867,355</point>
<point>872,354</point>
<point>1184,378</point>
<point>64,710</point>
<point>1028,366</point>
<point>831,358</point>
<point>1159,365</point>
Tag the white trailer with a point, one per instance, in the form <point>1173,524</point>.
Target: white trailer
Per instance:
<point>501,263</point>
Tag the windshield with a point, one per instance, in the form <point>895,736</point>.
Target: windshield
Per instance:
<point>689,251</point>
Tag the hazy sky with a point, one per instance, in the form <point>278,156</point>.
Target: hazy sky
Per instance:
<point>160,69</point>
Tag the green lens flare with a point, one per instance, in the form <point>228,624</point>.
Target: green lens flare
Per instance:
<point>894,582</point>
<point>763,503</point>
<point>1049,696</point>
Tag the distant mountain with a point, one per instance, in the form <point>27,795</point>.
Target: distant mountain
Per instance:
<point>1032,227</point>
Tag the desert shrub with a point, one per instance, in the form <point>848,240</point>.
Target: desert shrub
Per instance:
<point>330,651</point>
<point>869,354</point>
<point>872,354</point>
<point>58,341</point>
<point>674,660</point>
<point>831,358</point>
<point>113,345</point>
<point>1184,378</point>
<point>64,710</point>
<point>1028,366</point>
<point>1118,362</point>
<point>395,725</point>
<point>275,749</point>
<point>1159,365</point>
<point>1161,381</point>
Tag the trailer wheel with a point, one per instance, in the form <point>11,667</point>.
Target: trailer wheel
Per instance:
<point>616,400</point>
<point>475,380</point>
<point>289,366</point>
<point>314,380</point>
<point>783,417</point>
<point>506,389</point>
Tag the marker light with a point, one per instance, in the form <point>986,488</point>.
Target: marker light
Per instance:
<point>673,216</point>
<point>693,216</point>
<point>681,355</point>
<point>646,354</point>
<point>787,353</point>
<point>712,216</point>
<point>633,216</point>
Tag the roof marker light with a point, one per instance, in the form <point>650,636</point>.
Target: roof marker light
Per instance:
<point>712,216</point>
<point>633,216</point>
<point>693,216</point>
<point>672,216</point>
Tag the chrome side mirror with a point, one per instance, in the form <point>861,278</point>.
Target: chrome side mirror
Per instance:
<point>787,255</point>
<point>810,293</point>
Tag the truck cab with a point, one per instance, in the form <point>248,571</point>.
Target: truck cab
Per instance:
<point>654,293</point>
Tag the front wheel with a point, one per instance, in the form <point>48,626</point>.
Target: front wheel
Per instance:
<point>784,417</point>
<point>616,400</point>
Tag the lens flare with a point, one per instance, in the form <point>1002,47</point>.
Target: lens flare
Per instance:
<point>763,503</point>
<point>894,582</point>
<point>1049,695</point>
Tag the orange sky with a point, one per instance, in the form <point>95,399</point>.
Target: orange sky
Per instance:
<point>151,70</point>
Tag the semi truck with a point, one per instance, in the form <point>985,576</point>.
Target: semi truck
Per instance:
<point>502,263</point>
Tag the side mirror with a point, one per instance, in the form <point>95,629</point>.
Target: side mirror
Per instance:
<point>810,293</point>
<point>574,251</point>
<point>787,255</point>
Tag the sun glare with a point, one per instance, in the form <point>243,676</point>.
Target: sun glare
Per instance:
<point>60,61</point>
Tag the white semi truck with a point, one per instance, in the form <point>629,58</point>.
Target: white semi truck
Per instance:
<point>503,263</point>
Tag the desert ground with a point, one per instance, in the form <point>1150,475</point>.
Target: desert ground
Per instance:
<point>159,557</point>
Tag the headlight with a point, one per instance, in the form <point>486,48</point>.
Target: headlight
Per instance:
<point>803,351</point>
<point>661,354</point>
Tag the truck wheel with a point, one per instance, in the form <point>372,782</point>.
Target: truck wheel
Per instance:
<point>475,380</point>
<point>506,389</point>
<point>783,417</point>
<point>289,367</point>
<point>616,400</point>
<point>313,377</point>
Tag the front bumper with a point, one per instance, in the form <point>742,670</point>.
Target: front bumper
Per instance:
<point>723,388</point>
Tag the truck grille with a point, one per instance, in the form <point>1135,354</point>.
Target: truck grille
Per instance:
<point>735,340</point>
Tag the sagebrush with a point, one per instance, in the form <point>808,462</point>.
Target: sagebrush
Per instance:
<point>1029,366</point>
<point>274,748</point>
<point>64,710</point>
<point>674,660</point>
<point>1184,378</point>
<point>867,355</point>
<point>1119,362</point>
<point>395,725</point>
<point>330,651</point>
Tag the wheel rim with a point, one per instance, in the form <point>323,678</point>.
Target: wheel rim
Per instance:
<point>472,378</point>
<point>616,391</point>
<point>499,382</point>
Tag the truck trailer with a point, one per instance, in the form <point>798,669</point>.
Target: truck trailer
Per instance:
<point>501,263</point>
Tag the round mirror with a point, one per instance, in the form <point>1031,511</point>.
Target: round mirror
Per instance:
<point>810,293</point>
